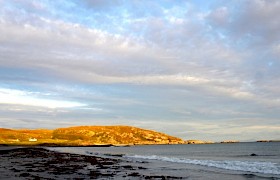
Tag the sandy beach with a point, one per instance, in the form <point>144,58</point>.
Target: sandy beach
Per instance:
<point>40,163</point>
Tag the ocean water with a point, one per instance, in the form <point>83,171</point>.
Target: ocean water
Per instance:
<point>205,161</point>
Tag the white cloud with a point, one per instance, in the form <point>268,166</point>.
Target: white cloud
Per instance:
<point>10,96</point>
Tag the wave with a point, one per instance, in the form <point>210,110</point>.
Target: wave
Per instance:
<point>247,166</point>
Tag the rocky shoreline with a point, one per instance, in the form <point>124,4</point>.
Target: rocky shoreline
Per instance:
<point>40,163</point>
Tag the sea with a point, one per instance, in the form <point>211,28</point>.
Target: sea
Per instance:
<point>255,160</point>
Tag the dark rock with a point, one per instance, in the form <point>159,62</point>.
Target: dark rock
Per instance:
<point>134,174</point>
<point>249,175</point>
<point>128,167</point>
<point>141,167</point>
<point>24,175</point>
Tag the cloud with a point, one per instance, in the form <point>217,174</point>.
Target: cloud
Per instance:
<point>220,16</point>
<point>259,18</point>
<point>252,24</point>
<point>130,62</point>
<point>106,58</point>
<point>216,131</point>
<point>9,96</point>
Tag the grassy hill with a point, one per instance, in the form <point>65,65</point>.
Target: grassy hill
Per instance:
<point>85,136</point>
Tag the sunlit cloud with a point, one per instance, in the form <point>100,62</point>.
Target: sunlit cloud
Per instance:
<point>10,96</point>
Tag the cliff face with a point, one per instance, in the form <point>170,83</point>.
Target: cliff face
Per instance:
<point>86,136</point>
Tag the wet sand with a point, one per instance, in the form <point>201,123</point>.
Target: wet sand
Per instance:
<point>40,163</point>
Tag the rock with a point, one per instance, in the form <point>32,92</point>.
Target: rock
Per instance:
<point>268,141</point>
<point>230,141</point>
<point>197,142</point>
<point>263,141</point>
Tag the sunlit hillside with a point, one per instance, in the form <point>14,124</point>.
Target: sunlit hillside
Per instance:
<point>85,136</point>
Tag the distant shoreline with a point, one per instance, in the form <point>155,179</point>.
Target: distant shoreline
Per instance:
<point>128,145</point>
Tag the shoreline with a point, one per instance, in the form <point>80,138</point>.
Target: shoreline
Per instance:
<point>42,145</point>
<point>41,163</point>
<point>51,163</point>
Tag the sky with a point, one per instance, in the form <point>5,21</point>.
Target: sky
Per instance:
<point>196,69</point>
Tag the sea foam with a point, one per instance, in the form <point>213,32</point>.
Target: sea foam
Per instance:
<point>247,166</point>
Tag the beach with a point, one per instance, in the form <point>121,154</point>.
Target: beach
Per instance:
<point>225,161</point>
<point>195,162</point>
<point>41,163</point>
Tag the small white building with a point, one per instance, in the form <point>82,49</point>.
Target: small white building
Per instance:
<point>32,139</point>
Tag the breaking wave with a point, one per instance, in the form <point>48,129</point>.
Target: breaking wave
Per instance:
<point>247,166</point>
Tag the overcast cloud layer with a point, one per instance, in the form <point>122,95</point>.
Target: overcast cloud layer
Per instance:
<point>193,69</point>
